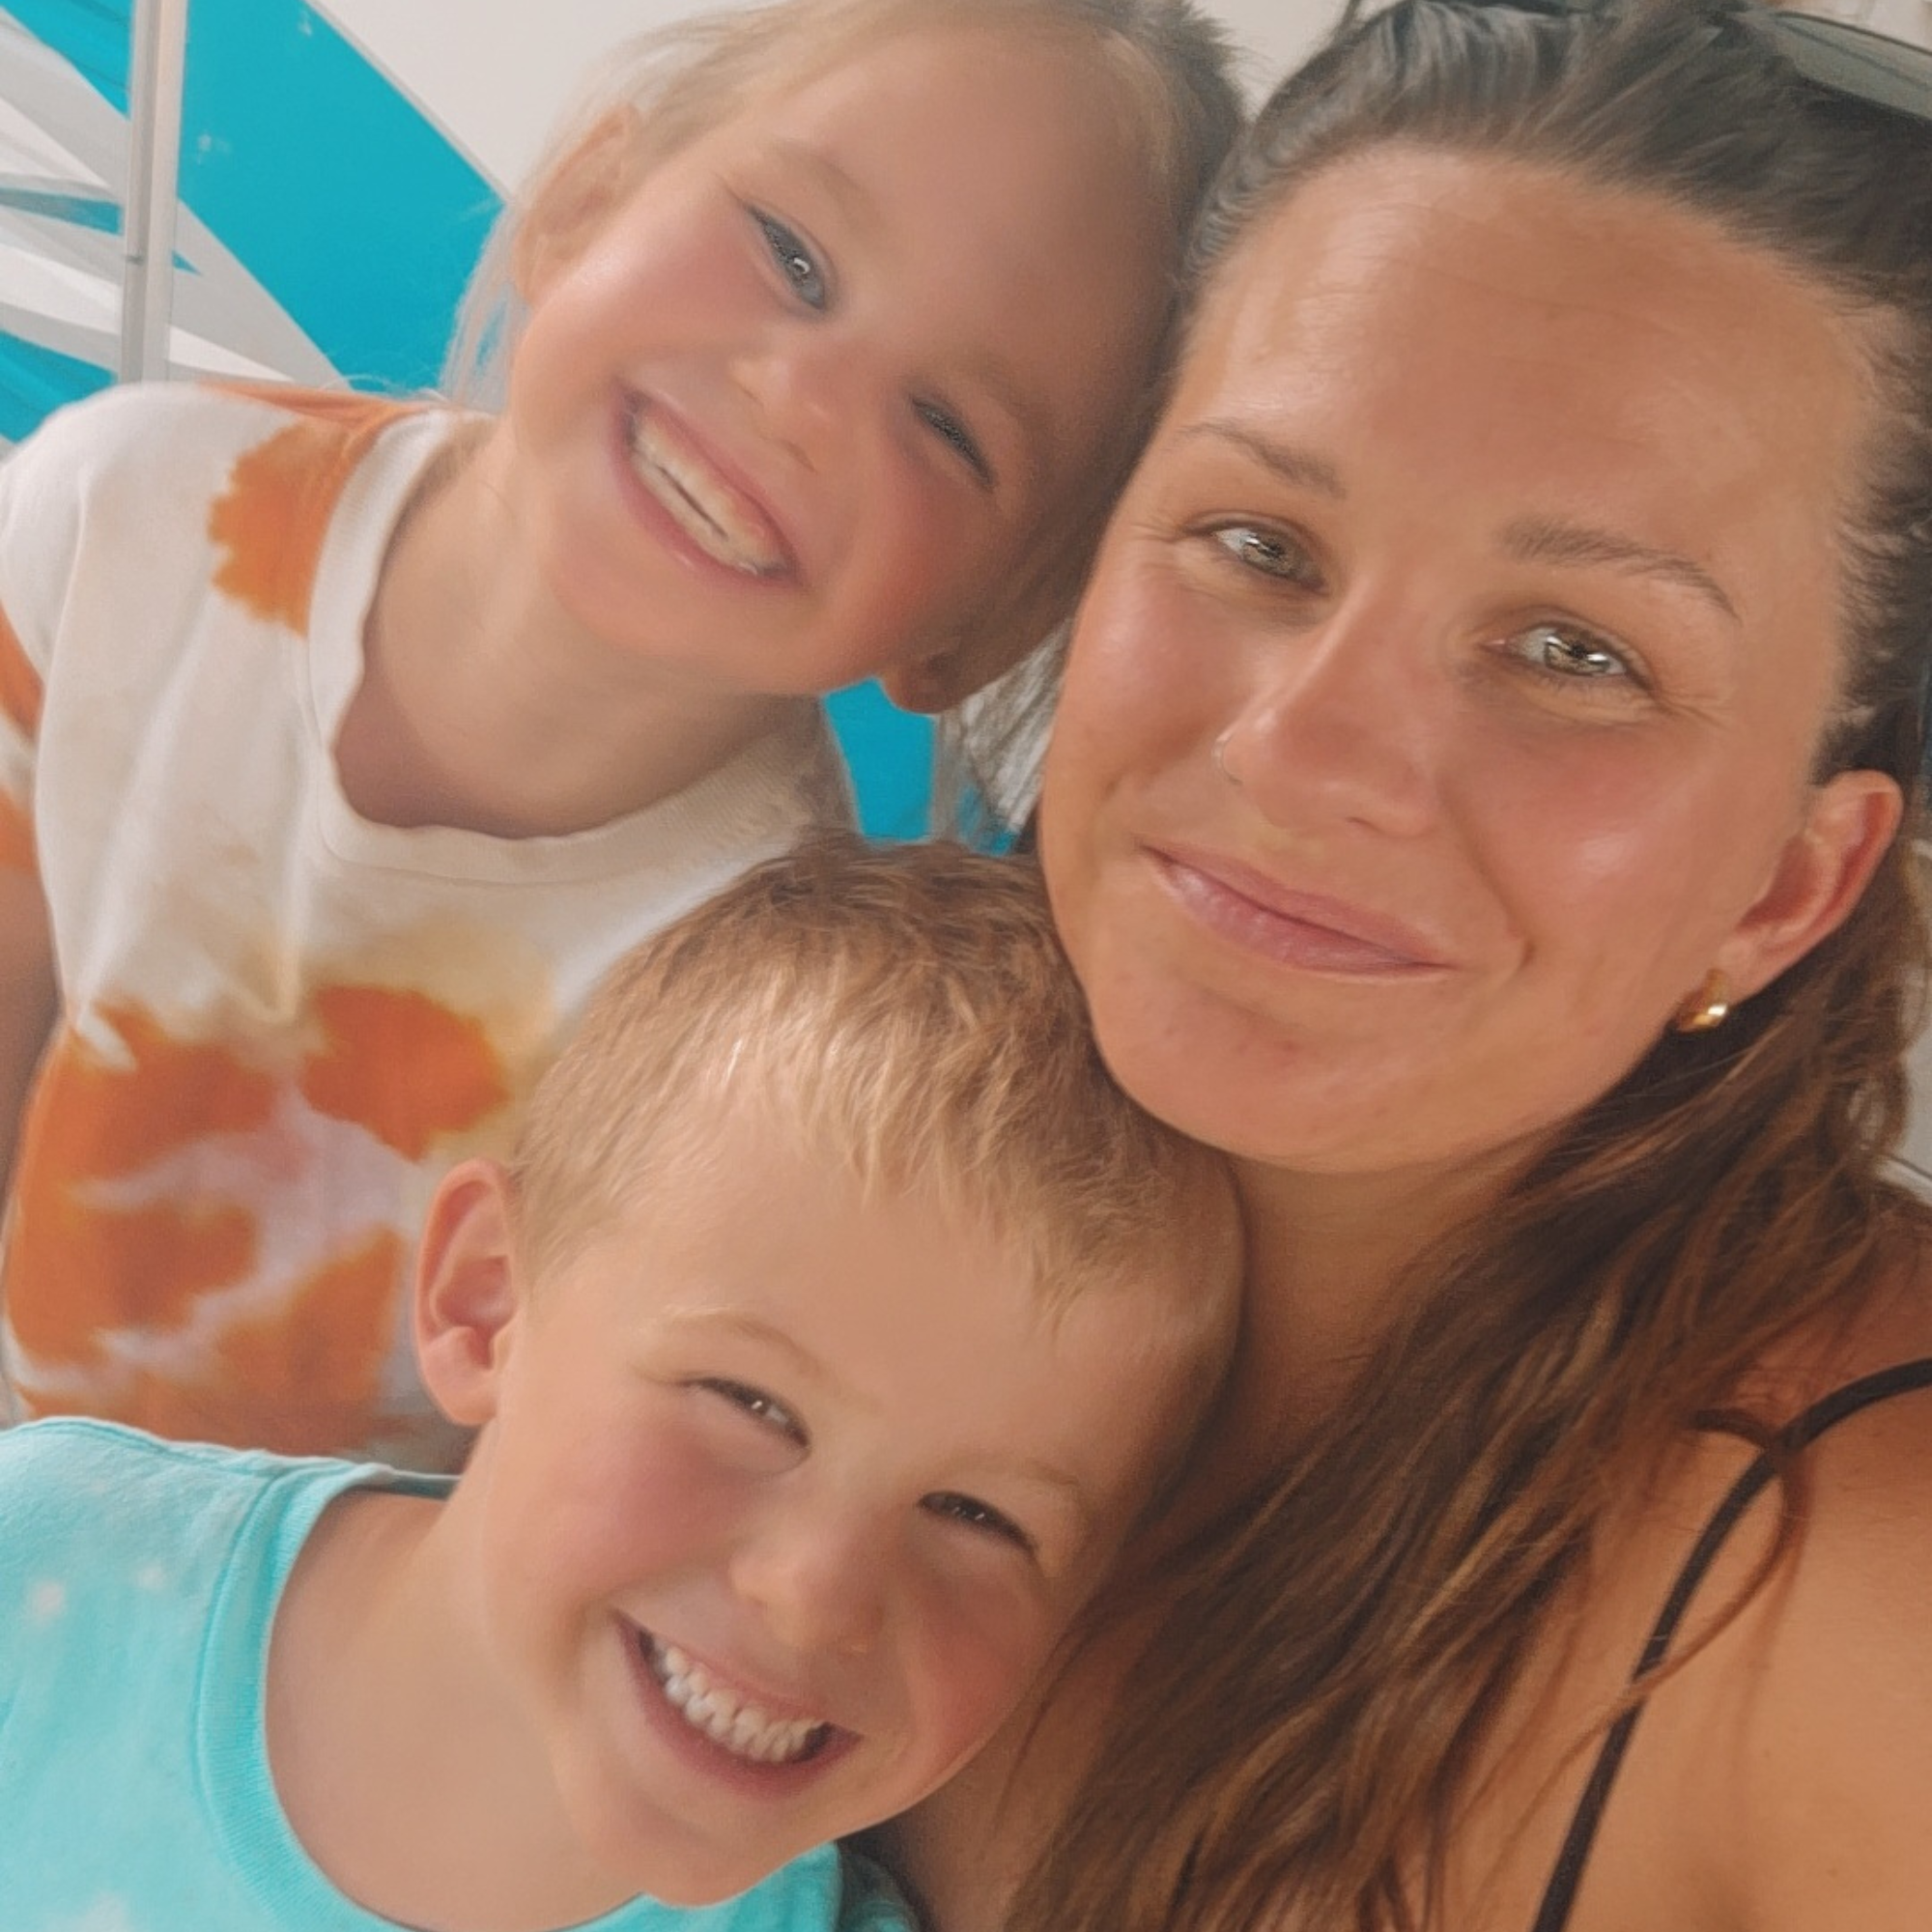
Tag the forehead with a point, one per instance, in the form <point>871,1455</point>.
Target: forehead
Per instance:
<point>908,1305</point>
<point>1001,178</point>
<point>955,114</point>
<point>1523,326</point>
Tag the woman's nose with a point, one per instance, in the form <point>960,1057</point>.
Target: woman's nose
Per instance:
<point>817,1581</point>
<point>1343,721</point>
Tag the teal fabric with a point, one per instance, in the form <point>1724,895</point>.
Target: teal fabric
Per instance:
<point>138,1581</point>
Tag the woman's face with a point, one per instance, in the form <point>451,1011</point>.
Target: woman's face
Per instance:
<point>1491,537</point>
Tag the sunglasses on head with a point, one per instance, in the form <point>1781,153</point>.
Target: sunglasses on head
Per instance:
<point>1874,50</point>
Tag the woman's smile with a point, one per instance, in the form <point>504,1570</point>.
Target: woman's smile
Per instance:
<point>1296,928</point>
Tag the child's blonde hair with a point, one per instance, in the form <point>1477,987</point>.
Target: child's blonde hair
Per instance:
<point>907,1014</point>
<point>678,81</point>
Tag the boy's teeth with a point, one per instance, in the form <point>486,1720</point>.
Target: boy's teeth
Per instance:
<point>700,503</point>
<point>709,1707</point>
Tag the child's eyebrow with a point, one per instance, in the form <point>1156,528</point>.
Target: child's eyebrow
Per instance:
<point>1066,1489</point>
<point>855,201</point>
<point>756,1328</point>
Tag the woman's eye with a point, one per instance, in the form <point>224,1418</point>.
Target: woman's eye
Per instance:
<point>1268,553</point>
<point>973,1513</point>
<point>949,428</point>
<point>1562,650</point>
<point>794,259</point>
<point>756,1403</point>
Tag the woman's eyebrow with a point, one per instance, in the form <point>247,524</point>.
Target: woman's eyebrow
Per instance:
<point>1544,540</point>
<point>1302,467</point>
<point>1529,539</point>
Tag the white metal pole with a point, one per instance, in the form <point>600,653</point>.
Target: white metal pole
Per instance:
<point>156,67</point>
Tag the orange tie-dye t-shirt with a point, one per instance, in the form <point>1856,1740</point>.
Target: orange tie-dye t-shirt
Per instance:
<point>280,1021</point>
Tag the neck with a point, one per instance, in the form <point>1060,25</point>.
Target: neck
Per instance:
<point>382,1703</point>
<point>1328,1256</point>
<point>484,705</point>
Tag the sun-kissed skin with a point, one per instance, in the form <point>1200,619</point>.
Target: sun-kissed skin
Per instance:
<point>834,1448</point>
<point>900,374</point>
<point>1491,522</point>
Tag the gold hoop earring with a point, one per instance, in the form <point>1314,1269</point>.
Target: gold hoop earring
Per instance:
<point>1219,754</point>
<point>1709,1007</point>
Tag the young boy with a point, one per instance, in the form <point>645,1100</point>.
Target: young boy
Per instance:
<point>832,1327</point>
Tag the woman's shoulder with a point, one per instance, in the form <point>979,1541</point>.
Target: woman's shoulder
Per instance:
<point>1829,1699</point>
<point>1770,1765</point>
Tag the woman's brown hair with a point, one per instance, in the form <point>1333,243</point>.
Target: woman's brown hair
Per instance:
<point>1292,1750</point>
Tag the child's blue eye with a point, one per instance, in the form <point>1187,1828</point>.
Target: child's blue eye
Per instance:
<point>756,1403</point>
<point>794,258</point>
<point>950,430</point>
<point>982,1516</point>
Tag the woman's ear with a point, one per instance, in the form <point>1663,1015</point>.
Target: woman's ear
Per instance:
<point>466,1291</point>
<point>573,199</point>
<point>1819,875</point>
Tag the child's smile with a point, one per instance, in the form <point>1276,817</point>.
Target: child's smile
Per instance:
<point>684,480</point>
<point>724,1712</point>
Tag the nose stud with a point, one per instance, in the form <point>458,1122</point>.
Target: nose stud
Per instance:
<point>1219,754</point>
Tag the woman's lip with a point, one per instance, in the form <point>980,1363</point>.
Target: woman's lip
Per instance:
<point>1303,928</point>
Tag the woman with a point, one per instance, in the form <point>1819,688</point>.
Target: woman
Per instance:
<point>1478,802</point>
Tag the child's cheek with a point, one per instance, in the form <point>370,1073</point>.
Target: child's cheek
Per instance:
<point>959,1710</point>
<point>978,1645</point>
<point>671,1491</point>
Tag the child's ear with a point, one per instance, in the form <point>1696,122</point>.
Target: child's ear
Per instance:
<point>923,685</point>
<point>986,649</point>
<point>573,200</point>
<point>467,1293</point>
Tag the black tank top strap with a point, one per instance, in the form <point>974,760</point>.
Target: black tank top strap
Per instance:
<point>1560,1895</point>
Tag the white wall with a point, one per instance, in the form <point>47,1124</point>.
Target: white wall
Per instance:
<point>494,73</point>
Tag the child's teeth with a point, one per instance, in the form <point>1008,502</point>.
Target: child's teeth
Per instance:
<point>712,1709</point>
<point>700,504</point>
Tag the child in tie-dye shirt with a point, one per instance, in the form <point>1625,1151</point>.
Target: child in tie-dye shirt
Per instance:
<point>344,743</point>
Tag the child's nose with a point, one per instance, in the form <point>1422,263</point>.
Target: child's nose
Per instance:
<point>818,1581</point>
<point>806,386</point>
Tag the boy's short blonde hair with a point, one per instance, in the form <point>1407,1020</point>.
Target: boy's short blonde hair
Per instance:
<point>908,1013</point>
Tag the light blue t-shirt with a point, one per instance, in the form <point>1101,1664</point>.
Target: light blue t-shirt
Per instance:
<point>138,1582</point>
